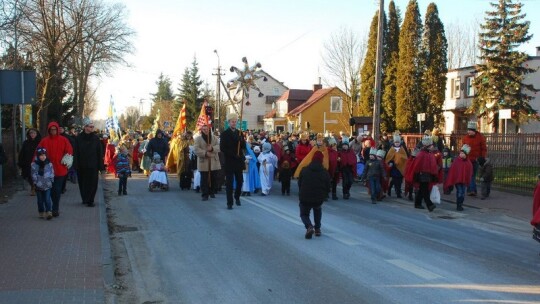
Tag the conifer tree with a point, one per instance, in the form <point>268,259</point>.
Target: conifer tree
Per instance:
<point>499,82</point>
<point>162,100</point>
<point>408,92</point>
<point>190,93</point>
<point>434,62</point>
<point>367,73</point>
<point>388,102</point>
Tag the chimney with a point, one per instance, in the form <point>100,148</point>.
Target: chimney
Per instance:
<point>538,51</point>
<point>317,86</point>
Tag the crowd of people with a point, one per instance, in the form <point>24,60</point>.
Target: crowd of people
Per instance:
<point>246,163</point>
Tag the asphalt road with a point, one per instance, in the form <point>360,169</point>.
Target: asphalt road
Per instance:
<point>171,247</point>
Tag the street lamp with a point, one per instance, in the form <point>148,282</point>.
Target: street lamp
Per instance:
<point>218,90</point>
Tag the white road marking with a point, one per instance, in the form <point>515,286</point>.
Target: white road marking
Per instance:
<point>416,270</point>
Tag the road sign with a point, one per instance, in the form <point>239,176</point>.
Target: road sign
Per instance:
<point>421,117</point>
<point>505,114</point>
<point>12,84</point>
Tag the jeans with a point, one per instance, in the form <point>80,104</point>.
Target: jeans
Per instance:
<point>122,182</point>
<point>44,200</point>
<point>56,192</point>
<point>230,176</point>
<point>460,194</point>
<point>396,182</point>
<point>305,209</point>
<point>375,187</point>
<point>472,186</point>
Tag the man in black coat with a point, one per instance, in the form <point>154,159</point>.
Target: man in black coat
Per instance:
<point>233,146</point>
<point>88,162</point>
<point>314,185</point>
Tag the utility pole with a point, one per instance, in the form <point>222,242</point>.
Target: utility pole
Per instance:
<point>378,75</point>
<point>218,93</point>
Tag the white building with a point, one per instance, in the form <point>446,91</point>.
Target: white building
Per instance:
<point>254,113</point>
<point>460,92</point>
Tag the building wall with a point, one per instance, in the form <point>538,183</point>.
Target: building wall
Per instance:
<point>455,104</point>
<point>258,104</point>
<point>315,115</point>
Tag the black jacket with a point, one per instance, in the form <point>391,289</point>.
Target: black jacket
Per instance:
<point>88,152</point>
<point>26,155</point>
<point>233,146</point>
<point>159,146</point>
<point>314,184</point>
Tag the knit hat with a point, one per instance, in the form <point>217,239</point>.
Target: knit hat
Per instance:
<point>87,121</point>
<point>40,151</point>
<point>318,157</point>
<point>381,153</point>
<point>373,151</point>
<point>232,116</point>
<point>345,143</point>
<point>466,149</point>
<point>427,141</point>
<point>471,125</point>
<point>332,141</point>
<point>266,147</point>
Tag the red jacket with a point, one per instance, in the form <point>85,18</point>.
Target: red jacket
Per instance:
<point>460,172</point>
<point>301,151</point>
<point>57,146</point>
<point>477,142</point>
<point>332,161</point>
<point>348,159</point>
<point>536,205</point>
<point>424,162</point>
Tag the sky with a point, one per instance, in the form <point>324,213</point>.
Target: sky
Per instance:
<point>285,36</point>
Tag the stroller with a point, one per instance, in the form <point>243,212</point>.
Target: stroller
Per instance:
<point>158,177</point>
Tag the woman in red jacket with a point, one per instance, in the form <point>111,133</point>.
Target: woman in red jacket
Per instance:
<point>303,148</point>
<point>60,154</point>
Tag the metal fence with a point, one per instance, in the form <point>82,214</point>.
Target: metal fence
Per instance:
<point>515,158</point>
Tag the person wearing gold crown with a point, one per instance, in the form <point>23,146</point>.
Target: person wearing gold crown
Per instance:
<point>425,171</point>
<point>318,146</point>
<point>396,158</point>
<point>303,147</point>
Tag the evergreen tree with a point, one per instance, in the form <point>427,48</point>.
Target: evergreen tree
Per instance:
<point>367,73</point>
<point>408,92</point>
<point>190,93</point>
<point>499,84</point>
<point>162,99</point>
<point>434,62</point>
<point>388,101</point>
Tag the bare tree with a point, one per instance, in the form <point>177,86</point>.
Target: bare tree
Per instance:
<point>342,58</point>
<point>132,117</point>
<point>462,43</point>
<point>106,39</point>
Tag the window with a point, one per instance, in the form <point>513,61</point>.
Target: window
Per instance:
<point>275,91</point>
<point>335,104</point>
<point>455,87</point>
<point>469,86</point>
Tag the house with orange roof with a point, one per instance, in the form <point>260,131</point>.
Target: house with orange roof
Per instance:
<point>276,120</point>
<point>324,111</point>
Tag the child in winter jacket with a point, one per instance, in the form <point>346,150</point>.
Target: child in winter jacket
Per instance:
<point>446,164</point>
<point>285,174</point>
<point>373,172</point>
<point>485,173</point>
<point>460,175</point>
<point>43,177</point>
<point>122,168</point>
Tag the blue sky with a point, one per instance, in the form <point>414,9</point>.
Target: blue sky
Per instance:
<point>286,37</point>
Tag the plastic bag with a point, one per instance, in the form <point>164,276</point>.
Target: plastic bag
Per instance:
<point>435,195</point>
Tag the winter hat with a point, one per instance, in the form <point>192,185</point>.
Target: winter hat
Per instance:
<point>381,153</point>
<point>332,141</point>
<point>40,151</point>
<point>345,143</point>
<point>266,147</point>
<point>156,156</point>
<point>471,125</point>
<point>466,149</point>
<point>257,149</point>
<point>427,141</point>
<point>318,157</point>
<point>232,116</point>
<point>87,121</point>
<point>373,151</point>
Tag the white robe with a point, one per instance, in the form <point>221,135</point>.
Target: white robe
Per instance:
<point>266,171</point>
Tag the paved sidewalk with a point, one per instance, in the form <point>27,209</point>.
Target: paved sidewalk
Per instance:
<point>63,260</point>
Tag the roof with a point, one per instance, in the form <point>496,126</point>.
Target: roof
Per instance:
<point>316,96</point>
<point>271,114</point>
<point>295,94</point>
